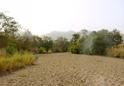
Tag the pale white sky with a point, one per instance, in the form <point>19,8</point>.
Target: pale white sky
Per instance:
<point>43,16</point>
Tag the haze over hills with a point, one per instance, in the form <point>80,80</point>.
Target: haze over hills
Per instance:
<point>55,34</point>
<point>67,34</point>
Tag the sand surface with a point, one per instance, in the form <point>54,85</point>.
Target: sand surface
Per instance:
<point>68,70</point>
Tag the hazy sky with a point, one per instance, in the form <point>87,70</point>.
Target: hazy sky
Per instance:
<point>43,16</point>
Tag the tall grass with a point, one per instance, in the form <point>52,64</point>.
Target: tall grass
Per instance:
<point>116,51</point>
<point>16,61</point>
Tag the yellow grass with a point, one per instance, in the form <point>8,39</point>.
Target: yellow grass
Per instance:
<point>16,61</point>
<point>117,51</point>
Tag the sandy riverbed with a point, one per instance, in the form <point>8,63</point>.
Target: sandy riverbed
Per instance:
<point>68,70</point>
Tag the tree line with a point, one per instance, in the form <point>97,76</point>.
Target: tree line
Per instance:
<point>13,39</point>
<point>95,42</point>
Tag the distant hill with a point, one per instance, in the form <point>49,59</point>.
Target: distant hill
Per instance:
<point>55,34</point>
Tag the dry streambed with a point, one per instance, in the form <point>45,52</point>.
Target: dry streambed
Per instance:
<point>69,70</point>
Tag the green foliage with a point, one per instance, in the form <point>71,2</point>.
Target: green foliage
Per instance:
<point>10,33</point>
<point>8,29</point>
<point>85,45</point>
<point>8,25</point>
<point>104,39</point>
<point>11,49</point>
<point>74,45</point>
<point>42,50</point>
<point>99,43</point>
<point>60,45</point>
<point>75,38</point>
<point>47,43</point>
<point>74,49</point>
<point>116,37</point>
<point>95,42</point>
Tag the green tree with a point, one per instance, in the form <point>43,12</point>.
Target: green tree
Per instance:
<point>75,45</point>
<point>8,30</point>
<point>8,25</point>
<point>60,45</point>
<point>47,43</point>
<point>116,37</point>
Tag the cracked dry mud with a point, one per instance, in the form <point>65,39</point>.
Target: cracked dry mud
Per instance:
<point>68,70</point>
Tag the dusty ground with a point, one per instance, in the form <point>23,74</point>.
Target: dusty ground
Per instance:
<point>69,70</point>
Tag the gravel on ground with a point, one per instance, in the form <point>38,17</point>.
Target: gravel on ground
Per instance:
<point>65,69</point>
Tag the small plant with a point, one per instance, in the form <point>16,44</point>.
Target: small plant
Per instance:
<point>11,49</point>
<point>42,50</point>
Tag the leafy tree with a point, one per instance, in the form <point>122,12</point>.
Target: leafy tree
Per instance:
<point>60,45</point>
<point>75,38</point>
<point>95,42</point>
<point>36,43</point>
<point>47,43</point>
<point>84,32</point>
<point>8,25</point>
<point>99,42</point>
<point>75,45</point>
<point>8,29</point>
<point>24,41</point>
<point>116,37</point>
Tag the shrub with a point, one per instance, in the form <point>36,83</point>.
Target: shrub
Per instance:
<point>11,49</point>
<point>75,49</point>
<point>60,45</point>
<point>50,51</point>
<point>42,50</point>
<point>16,61</point>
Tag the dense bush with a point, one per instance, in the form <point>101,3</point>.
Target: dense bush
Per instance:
<point>94,43</point>
<point>74,44</point>
<point>75,49</point>
<point>47,43</point>
<point>11,49</point>
<point>42,50</point>
<point>60,45</point>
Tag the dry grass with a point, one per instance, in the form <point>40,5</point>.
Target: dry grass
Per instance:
<point>16,61</point>
<point>116,51</point>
